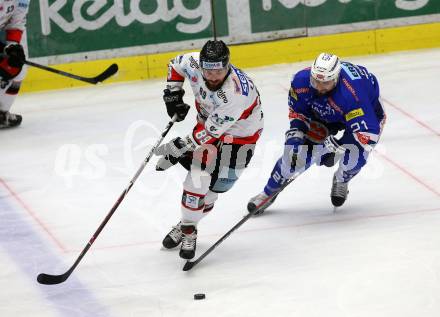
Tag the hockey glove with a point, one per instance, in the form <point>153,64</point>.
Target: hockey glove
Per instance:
<point>174,103</point>
<point>294,139</point>
<point>333,146</point>
<point>172,151</point>
<point>15,54</point>
<point>7,71</point>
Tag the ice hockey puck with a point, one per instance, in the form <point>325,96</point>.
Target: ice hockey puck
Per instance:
<point>199,296</point>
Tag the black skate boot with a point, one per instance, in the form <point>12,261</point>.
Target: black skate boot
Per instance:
<point>339,192</point>
<point>9,120</point>
<point>189,237</point>
<point>173,238</point>
<point>262,201</point>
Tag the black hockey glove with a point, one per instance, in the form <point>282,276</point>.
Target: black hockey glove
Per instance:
<point>175,105</point>
<point>15,54</point>
<point>172,151</point>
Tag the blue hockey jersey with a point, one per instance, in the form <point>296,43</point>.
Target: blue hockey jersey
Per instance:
<point>352,105</point>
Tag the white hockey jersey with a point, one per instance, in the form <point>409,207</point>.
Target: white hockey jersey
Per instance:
<point>13,18</point>
<point>231,114</point>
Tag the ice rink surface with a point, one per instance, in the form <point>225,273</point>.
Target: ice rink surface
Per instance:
<point>64,168</point>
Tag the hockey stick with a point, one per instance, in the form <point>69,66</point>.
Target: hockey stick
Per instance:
<point>110,71</point>
<point>190,264</point>
<point>214,29</point>
<point>49,279</point>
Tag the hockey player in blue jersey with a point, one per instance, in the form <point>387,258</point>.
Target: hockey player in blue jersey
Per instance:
<point>329,97</point>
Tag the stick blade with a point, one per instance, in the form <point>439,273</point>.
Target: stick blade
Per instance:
<point>110,71</point>
<point>188,265</point>
<point>48,279</point>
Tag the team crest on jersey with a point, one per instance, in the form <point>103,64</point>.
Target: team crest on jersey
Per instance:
<point>354,114</point>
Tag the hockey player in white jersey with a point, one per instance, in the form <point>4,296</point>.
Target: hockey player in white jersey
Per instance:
<point>221,145</point>
<point>12,55</point>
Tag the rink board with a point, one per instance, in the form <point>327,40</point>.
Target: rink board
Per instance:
<point>250,55</point>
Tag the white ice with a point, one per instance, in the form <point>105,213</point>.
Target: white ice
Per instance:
<point>76,151</point>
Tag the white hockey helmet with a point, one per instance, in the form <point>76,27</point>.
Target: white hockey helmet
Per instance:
<point>325,68</point>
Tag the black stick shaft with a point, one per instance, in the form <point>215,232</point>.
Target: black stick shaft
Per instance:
<point>56,279</point>
<point>214,29</point>
<point>189,265</point>
<point>111,70</point>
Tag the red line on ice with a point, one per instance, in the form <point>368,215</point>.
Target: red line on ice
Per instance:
<point>412,117</point>
<point>33,215</point>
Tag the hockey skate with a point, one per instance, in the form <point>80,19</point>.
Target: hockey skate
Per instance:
<point>189,238</point>
<point>339,192</point>
<point>173,238</point>
<point>261,202</point>
<point>9,120</point>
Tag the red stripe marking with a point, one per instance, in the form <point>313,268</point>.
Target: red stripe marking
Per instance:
<point>313,223</point>
<point>195,194</point>
<point>408,173</point>
<point>409,115</point>
<point>249,110</point>
<point>174,75</point>
<point>33,215</point>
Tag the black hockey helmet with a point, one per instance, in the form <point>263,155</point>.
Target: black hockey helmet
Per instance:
<point>214,55</point>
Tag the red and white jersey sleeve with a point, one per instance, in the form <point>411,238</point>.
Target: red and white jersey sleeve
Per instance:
<point>232,114</point>
<point>13,18</point>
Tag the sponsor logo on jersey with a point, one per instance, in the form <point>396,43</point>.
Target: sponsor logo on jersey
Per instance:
<point>303,90</point>
<point>193,63</point>
<point>293,93</point>
<point>351,71</point>
<point>333,104</point>
<point>350,88</point>
<point>243,82</point>
<point>354,114</point>
<point>220,121</point>
<point>221,94</point>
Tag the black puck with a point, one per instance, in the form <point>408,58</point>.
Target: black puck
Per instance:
<point>199,296</point>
